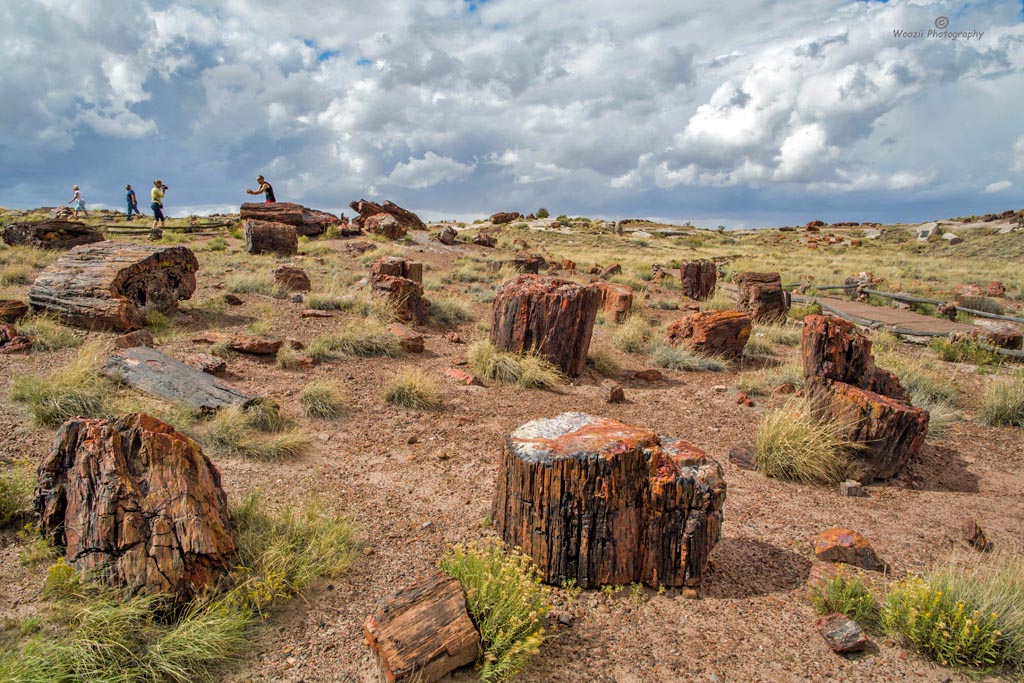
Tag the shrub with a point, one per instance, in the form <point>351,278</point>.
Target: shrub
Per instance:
<point>348,304</point>
<point>884,341</point>
<point>528,371</point>
<point>449,312</point>
<point>258,432</point>
<point>364,339</point>
<point>680,358</point>
<point>633,336</point>
<point>1002,404</point>
<point>46,333</point>
<point>413,389</point>
<point>603,362</point>
<point>801,311</point>
<point>964,351</point>
<point>505,600</point>
<point>75,390</point>
<point>542,213</point>
<point>322,401</point>
<point>795,446</point>
<point>255,283</point>
<point>847,595</point>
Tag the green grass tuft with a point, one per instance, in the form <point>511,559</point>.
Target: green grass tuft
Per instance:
<point>847,595</point>
<point>76,390</point>
<point>259,432</point>
<point>47,333</point>
<point>679,358</point>
<point>445,311</point>
<point>16,486</point>
<point>964,351</point>
<point>528,371</point>
<point>1002,404</point>
<point>363,339</point>
<point>603,362</point>
<point>633,336</point>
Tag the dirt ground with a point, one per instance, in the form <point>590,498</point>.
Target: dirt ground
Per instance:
<point>415,482</point>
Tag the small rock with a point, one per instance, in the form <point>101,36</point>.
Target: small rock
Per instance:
<point>721,388</point>
<point>136,338</point>
<point>974,536</point>
<point>786,388</point>
<point>463,377</point>
<point>232,300</point>
<point>454,338</point>
<point>742,399</point>
<point>11,310</point>
<point>851,488</point>
<point>314,313</point>
<point>410,340</point>
<point>742,457</point>
<point>208,363</point>
<point>844,545</point>
<point>323,437</point>
<point>689,594</point>
<point>841,633</point>
<point>294,279</point>
<point>611,391</point>
<point>648,375</point>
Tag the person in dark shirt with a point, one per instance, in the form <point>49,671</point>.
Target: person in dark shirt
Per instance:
<point>264,189</point>
<point>133,204</point>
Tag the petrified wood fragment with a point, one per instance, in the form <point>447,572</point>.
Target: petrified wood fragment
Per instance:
<point>397,267</point>
<point>600,502</point>
<point>51,234</point>
<point>114,285</point>
<point>616,300</point>
<point>833,349</point>
<point>761,295</point>
<point>12,310</point>
<point>713,333</point>
<point>504,217</point>
<point>263,237</point>
<point>548,316</point>
<point>407,219</point>
<point>699,279</point>
<point>399,282</point>
<point>306,221</point>
<point>292,279</point>
<point>136,504</point>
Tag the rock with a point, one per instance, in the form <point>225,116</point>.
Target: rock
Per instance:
<point>423,632</point>
<point>833,349</point>
<point>385,225</point>
<point>12,342</point>
<point>842,634</point>
<point>616,300</point>
<point>136,338</point>
<point>743,457</point>
<point>974,535</point>
<point>51,234</point>
<point>315,313</point>
<point>851,488</point>
<point>263,237</point>
<point>232,300</point>
<point>996,289</point>
<point>155,235</point>
<point>761,295</point>
<point>613,269</point>
<point>855,243</point>
<point>12,310</point>
<point>293,279</point>
<point>397,267</point>
<point>611,391</point>
<point>463,377</point>
<point>447,235</point>
<point>601,502</point>
<point>649,375</point>
<point>568,265</point>
<point>951,238</point>
<point>410,340</point>
<point>712,333</point>
<point>208,363</point>
<point>406,220</point>
<point>136,504</point>
<point>548,316</point>
<point>485,240</point>
<point>358,247</point>
<point>305,221</point>
<point>699,279</point>
<point>246,343</point>
<point>453,338</point>
<point>743,399</point>
<point>843,545</point>
<point>504,217</point>
<point>1004,335</point>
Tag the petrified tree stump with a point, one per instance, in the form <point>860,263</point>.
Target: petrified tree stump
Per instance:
<point>423,632</point>
<point>262,237</point>
<point>485,240</point>
<point>548,316</point>
<point>399,282</point>
<point>713,333</point>
<point>761,295</point>
<point>137,504</point>
<point>699,279</point>
<point>601,502</point>
<point>833,349</point>
<point>616,300</point>
<point>114,285</point>
<point>405,218</point>
<point>51,234</point>
<point>306,221</point>
<point>397,267</point>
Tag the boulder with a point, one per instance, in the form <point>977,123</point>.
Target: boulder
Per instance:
<point>51,234</point>
<point>406,219</point>
<point>12,310</point>
<point>399,282</point>
<point>305,221</point>
<point>447,235</point>
<point>844,545</point>
<point>996,289</point>
<point>265,237</point>
<point>613,269</point>
<point>386,225</point>
<point>649,375</point>
<point>292,279</point>
<point>504,217</point>
<point>485,240</point>
<point>833,349</point>
<point>616,300</point>
<point>761,295</point>
<point>136,504</point>
<point>712,333</point>
<point>397,267</point>
<point>410,340</point>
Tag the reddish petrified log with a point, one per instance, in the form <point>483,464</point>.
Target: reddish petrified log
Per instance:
<point>699,279</point>
<point>997,333</point>
<point>713,333</point>
<point>248,343</point>
<point>399,282</point>
<point>407,219</point>
<point>306,221</point>
<point>548,316</point>
<point>504,217</point>
<point>423,632</point>
<point>397,267</point>
<point>616,300</point>
<point>51,234</point>
<point>599,502</point>
<point>12,342</point>
<point>833,349</point>
<point>12,310</point>
<point>114,285</point>
<point>838,544</point>
<point>410,340</point>
<point>761,295</point>
<point>485,240</point>
<point>262,237</point>
<point>136,504</point>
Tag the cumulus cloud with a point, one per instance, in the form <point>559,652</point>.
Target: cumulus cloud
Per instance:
<point>1018,151</point>
<point>429,171</point>
<point>998,186</point>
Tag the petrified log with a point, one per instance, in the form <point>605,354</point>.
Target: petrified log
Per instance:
<point>833,349</point>
<point>613,269</point>
<point>504,217</point>
<point>12,342</point>
<point>306,221</point>
<point>397,267</point>
<point>841,633</point>
<point>699,279</point>
<point>293,279</point>
<point>423,632</point>
<point>136,338</point>
<point>12,310</point>
<point>616,300</point>
<point>384,224</point>
<point>155,373</point>
<point>548,316</point>
<point>447,235</point>
<point>404,295</point>
<point>114,285</point>
<point>485,240</point>
<point>761,295</point>
<point>713,333</point>
<point>599,502</point>
<point>247,343</point>
<point>838,544</point>
<point>136,504</point>
<point>50,234</point>
<point>407,219</point>
<point>410,340</point>
<point>265,237</point>
<point>1005,335</point>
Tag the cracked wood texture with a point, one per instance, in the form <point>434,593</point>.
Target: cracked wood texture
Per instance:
<point>699,279</point>
<point>712,333</point>
<point>114,285</point>
<point>136,504</point>
<point>616,300</point>
<point>267,237</point>
<point>833,349</point>
<point>548,316</point>
<point>399,282</point>
<point>309,222</point>
<point>601,502</point>
<point>761,295</point>
<point>51,234</point>
<point>423,632</point>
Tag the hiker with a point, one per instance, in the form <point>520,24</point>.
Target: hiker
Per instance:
<point>133,204</point>
<point>79,202</point>
<point>264,189</point>
<point>157,196</point>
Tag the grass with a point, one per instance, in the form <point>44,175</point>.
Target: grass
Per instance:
<point>801,311</point>
<point>603,362</point>
<point>922,377</point>
<point>364,339</point>
<point>680,358</point>
<point>77,389</point>
<point>720,300</point>
<point>15,275</point>
<point>529,371</point>
<point>255,283</point>
<point>321,400</point>
<point>414,390</point>
<point>16,485</point>
<point>259,432</point>
<point>793,445</point>
<point>633,336</point>
<point>884,341</point>
<point>848,595</point>
<point>1002,403</point>
<point>47,333</point>
<point>785,335</point>
<point>506,602</point>
<point>964,351</point>
<point>446,311</point>
<point>288,357</point>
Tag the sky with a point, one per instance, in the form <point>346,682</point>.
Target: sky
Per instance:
<point>744,113</point>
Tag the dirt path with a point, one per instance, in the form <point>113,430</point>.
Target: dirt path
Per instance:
<point>903,319</point>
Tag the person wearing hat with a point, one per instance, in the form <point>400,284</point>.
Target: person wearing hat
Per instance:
<point>156,196</point>
<point>133,204</point>
<point>79,202</point>
<point>264,189</point>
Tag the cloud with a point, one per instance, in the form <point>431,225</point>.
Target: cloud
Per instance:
<point>1018,151</point>
<point>429,171</point>
<point>998,186</point>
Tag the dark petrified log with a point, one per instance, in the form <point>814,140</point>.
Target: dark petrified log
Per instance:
<point>263,237</point>
<point>51,234</point>
<point>309,222</point>
<point>699,279</point>
<point>761,295</point>
<point>407,219</point>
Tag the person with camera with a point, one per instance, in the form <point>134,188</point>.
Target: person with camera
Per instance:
<point>157,202</point>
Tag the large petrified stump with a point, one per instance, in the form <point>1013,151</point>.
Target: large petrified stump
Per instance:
<point>699,279</point>
<point>114,285</point>
<point>50,234</point>
<point>423,632</point>
<point>136,504</point>
<point>601,502</point>
<point>761,295</point>
<point>399,282</point>
<point>712,333</point>
<point>548,316</point>
<point>396,266</point>
<point>833,349</point>
<point>264,237</point>
<point>404,218</point>
<point>616,300</point>
<point>306,221</point>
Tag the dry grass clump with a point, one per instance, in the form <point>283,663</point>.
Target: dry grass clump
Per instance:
<point>16,486</point>
<point>506,601</point>
<point>321,400</point>
<point>680,358</point>
<point>447,311</point>
<point>847,595</point>
<point>884,341</point>
<point>779,333</point>
<point>77,389</point>
<point>964,351</point>
<point>288,357</point>
<point>720,300</point>
<point>365,338</point>
<point>528,371</point>
<point>801,311</point>
<point>255,283</point>
<point>15,275</point>
<point>793,445</point>
<point>633,336</point>
<point>46,332</point>
<point>1002,404</point>
<point>603,362</point>
<point>414,390</point>
<point>259,432</point>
